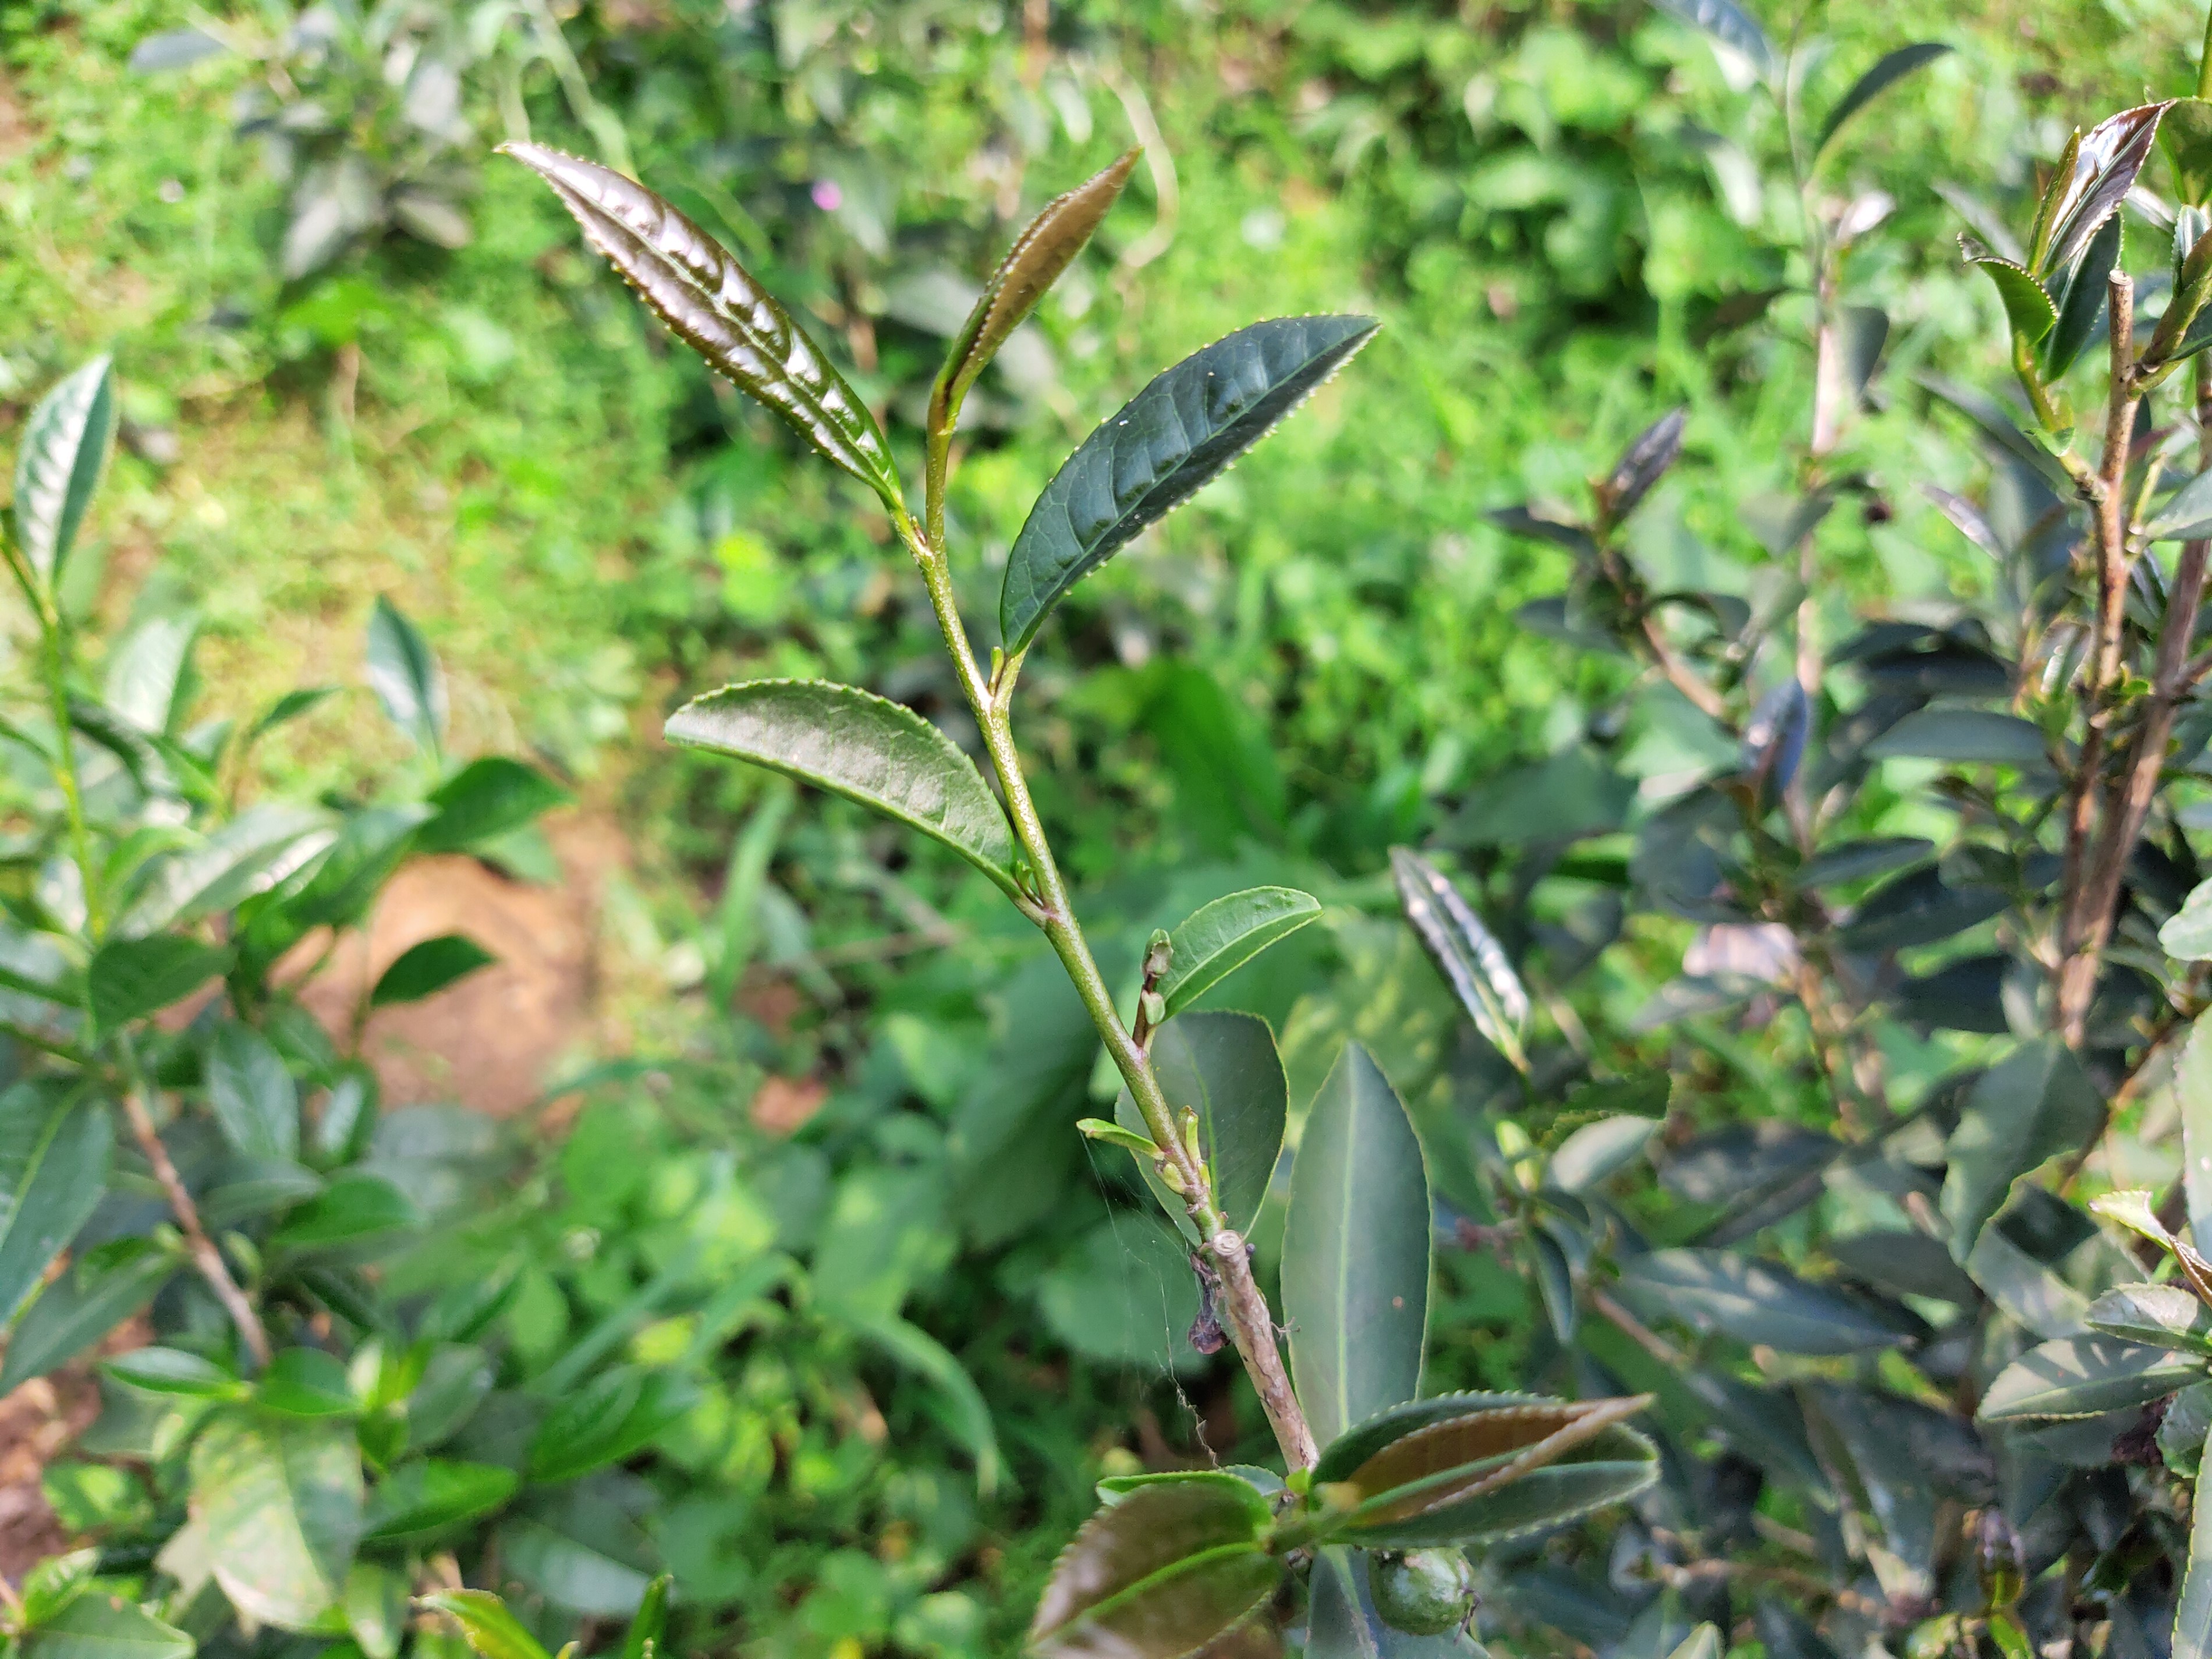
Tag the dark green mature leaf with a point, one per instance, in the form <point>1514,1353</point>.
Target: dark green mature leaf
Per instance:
<point>611,1418</point>
<point>58,465</point>
<point>1888,69</point>
<point>491,1632</point>
<point>83,1305</point>
<point>649,1627</point>
<point>1919,907</point>
<point>1855,860</point>
<point>1471,960</point>
<point>1031,266</point>
<point>1216,940</point>
<point>1168,441</point>
<point>2030,1106</point>
<point>280,1504</point>
<point>1158,1574</point>
<point>2157,1315</point>
<point>2192,1093</point>
<point>2086,1377</point>
<point>2028,309</point>
<point>403,672</point>
<point>2186,514</point>
<point>131,978</point>
<point>1731,24</point>
<point>860,746</point>
<point>2082,302</point>
<point>485,798</point>
<point>254,1097</point>
<point>1356,1250</point>
<point>713,306</point>
<point>99,1624</point>
<point>1755,1302</point>
<point>1905,1263</point>
<point>1597,1150</point>
<point>1224,1066</point>
<point>430,1494</point>
<point>1968,735</point>
<point>2105,169</point>
<point>54,1155</point>
<point>423,970</point>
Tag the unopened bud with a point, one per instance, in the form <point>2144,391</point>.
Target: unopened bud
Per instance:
<point>1172,1177</point>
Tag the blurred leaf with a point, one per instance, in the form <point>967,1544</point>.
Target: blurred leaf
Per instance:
<point>1641,465</point>
<point>1170,440</point>
<point>492,1632</point>
<point>304,1383</point>
<point>2157,1315</point>
<point>131,978</point>
<point>102,1624</point>
<point>174,1370</point>
<point>403,672</point>
<point>1755,1302</point>
<point>1031,266</point>
<point>2186,514</point>
<point>713,306</point>
<point>2086,1377</point>
<point>1585,1159</point>
<point>2192,1093</point>
<point>2192,1607</point>
<point>2185,134</point>
<point>1731,26</point>
<point>484,799</point>
<point>426,1496</point>
<point>254,1095</point>
<point>1904,1264</point>
<point>969,1416</point>
<point>649,1628</point>
<point>1216,940</point>
<point>1471,961</point>
<point>1356,1243</point>
<point>1224,1066</point>
<point>58,461</point>
<point>1919,907</point>
<point>375,1602</point>
<point>877,753</point>
<point>1855,860</point>
<point>81,1306</point>
<point>2032,1105</point>
<point>1966,735</point>
<point>353,1207</point>
<point>1888,69</point>
<point>54,1156</point>
<point>614,1416</point>
<point>1158,1574</point>
<point>426,968</point>
<point>2001,429</point>
<point>280,1503</point>
<point>174,49</point>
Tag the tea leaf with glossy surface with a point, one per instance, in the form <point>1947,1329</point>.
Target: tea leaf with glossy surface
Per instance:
<point>1356,1250</point>
<point>711,303</point>
<point>1167,442</point>
<point>2104,170</point>
<point>1216,940</point>
<point>855,745</point>
<point>404,674</point>
<point>1471,961</point>
<point>2156,1315</point>
<point>426,968</point>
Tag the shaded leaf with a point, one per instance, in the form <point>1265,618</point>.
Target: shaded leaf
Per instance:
<point>2187,513</point>
<point>426,968</point>
<point>353,1207</point>
<point>174,1371</point>
<point>969,1416</point>
<point>1471,961</point>
<point>1167,442</point>
<point>82,1306</point>
<point>403,672</point>
<point>1598,1150</point>
<point>2157,1315</point>
<point>254,1097</point>
<point>2192,1093</point>
<point>58,461</point>
<point>713,306</point>
<point>1857,861</point>
<point>2032,1105</point>
<point>2086,1377</point>
<point>1642,465</point>
<point>1888,69</point>
<point>1755,1301</point>
<point>614,1416</point>
<point>130,978</point>
<point>877,753</point>
<point>1355,1245</point>
<point>174,49</point>
<point>1919,907</point>
<point>2185,135</point>
<point>1968,735</point>
<point>1031,266</point>
<point>1216,940</point>
<point>1904,1264</point>
<point>2192,1607</point>
<point>1343,1622</point>
<point>280,1504</point>
<point>2001,429</point>
<point>54,1156</point>
<point>1224,1066</point>
<point>2082,304</point>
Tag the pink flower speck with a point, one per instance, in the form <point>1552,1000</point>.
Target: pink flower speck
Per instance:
<point>827,196</point>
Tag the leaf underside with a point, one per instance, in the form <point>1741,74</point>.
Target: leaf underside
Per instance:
<point>58,464</point>
<point>1168,441</point>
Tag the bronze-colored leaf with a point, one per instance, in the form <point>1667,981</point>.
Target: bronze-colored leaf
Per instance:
<point>1031,266</point>
<point>1464,1456</point>
<point>691,282</point>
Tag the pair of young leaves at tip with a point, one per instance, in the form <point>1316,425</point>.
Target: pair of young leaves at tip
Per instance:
<point>494,1632</point>
<point>1176,436</point>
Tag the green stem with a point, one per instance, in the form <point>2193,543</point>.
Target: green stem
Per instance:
<point>2204,61</point>
<point>53,651</point>
<point>1251,1322</point>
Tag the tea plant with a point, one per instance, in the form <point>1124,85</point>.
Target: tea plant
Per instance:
<point>1173,1563</point>
<point>1958,1413</point>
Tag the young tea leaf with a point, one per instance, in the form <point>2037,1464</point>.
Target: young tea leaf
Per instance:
<point>1031,266</point>
<point>1471,961</point>
<point>710,303</point>
<point>649,1626</point>
<point>1888,70</point>
<point>2185,135</point>
<point>864,748</point>
<point>64,447</point>
<point>491,1632</point>
<point>1175,436</point>
<point>1356,1250</point>
<point>2104,170</point>
<point>1216,940</point>
<point>2028,309</point>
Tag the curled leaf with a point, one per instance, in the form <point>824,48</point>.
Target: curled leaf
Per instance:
<point>1472,962</point>
<point>1170,440</point>
<point>1031,266</point>
<point>710,303</point>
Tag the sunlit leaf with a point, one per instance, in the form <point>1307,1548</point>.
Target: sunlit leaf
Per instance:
<point>2104,170</point>
<point>1471,960</point>
<point>491,1632</point>
<point>1216,940</point>
<point>280,1501</point>
<point>1731,24</point>
<point>1031,266</point>
<point>2086,1377</point>
<point>1356,1250</point>
<point>713,306</point>
<point>2157,1315</point>
<point>58,461</point>
<point>860,746</point>
<point>1168,441</point>
<point>403,672</point>
<point>2028,309</point>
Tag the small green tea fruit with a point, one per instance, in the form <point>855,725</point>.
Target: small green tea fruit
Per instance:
<point>1424,1592</point>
